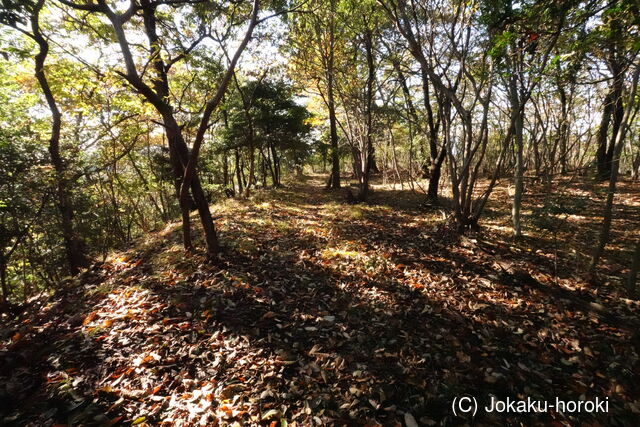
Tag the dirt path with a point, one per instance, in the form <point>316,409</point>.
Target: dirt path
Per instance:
<point>323,313</point>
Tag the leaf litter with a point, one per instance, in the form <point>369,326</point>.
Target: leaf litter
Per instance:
<point>319,314</point>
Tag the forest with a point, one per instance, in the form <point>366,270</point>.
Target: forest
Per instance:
<point>319,212</point>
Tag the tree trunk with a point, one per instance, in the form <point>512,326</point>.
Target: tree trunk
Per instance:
<point>367,154</point>
<point>333,122</point>
<point>613,110</point>
<point>225,169</point>
<point>635,167</point>
<point>210,235</point>
<point>434,177</point>
<point>613,179</point>
<point>3,281</point>
<point>238,171</point>
<point>73,246</point>
<point>564,130</point>
<point>252,167</point>
<point>434,167</point>
<point>633,272</point>
<point>603,130</point>
<point>518,172</point>
<point>276,166</point>
<point>225,153</point>
<point>179,155</point>
<point>335,158</point>
<point>618,113</point>
<point>264,169</point>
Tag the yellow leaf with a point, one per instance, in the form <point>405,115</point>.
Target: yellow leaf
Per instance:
<point>139,420</point>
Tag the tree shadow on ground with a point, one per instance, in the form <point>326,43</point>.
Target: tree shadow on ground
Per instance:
<point>48,367</point>
<point>346,316</point>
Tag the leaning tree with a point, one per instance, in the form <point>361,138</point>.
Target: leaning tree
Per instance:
<point>174,31</point>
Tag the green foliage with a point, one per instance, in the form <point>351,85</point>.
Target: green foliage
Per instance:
<point>24,187</point>
<point>269,117</point>
<point>12,12</point>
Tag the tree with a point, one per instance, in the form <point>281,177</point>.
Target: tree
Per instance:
<point>523,55</point>
<point>315,60</point>
<point>633,271</point>
<point>23,192</point>
<point>357,89</point>
<point>267,117</point>
<point>411,23</point>
<point>464,92</point>
<point>16,15</point>
<point>616,40</point>
<point>156,89</point>
<point>615,165</point>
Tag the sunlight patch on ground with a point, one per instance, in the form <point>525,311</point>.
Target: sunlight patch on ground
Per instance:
<point>118,260</point>
<point>501,228</point>
<point>170,228</point>
<point>341,253</point>
<point>265,206</point>
<point>282,320</point>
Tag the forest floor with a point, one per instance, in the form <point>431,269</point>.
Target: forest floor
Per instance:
<point>325,313</point>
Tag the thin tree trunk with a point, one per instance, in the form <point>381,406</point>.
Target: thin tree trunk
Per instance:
<point>3,281</point>
<point>434,177</point>
<point>275,171</point>
<point>603,130</point>
<point>613,179</point>
<point>225,169</point>
<point>335,158</point>
<point>617,115</point>
<point>73,246</point>
<point>366,160</point>
<point>564,130</point>
<point>436,158</point>
<point>238,171</point>
<point>518,172</point>
<point>633,272</point>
